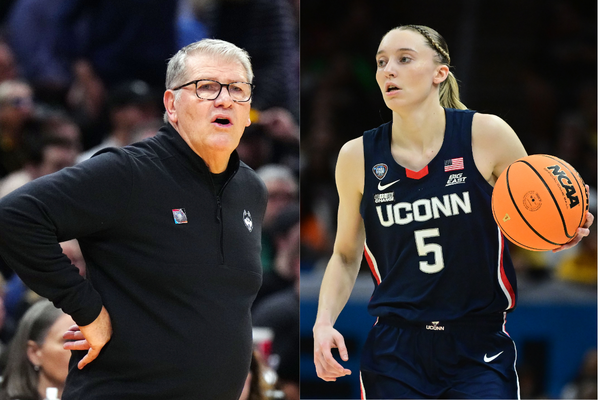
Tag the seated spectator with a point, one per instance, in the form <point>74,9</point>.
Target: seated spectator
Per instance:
<point>286,263</point>
<point>36,357</point>
<point>8,65</point>
<point>16,109</point>
<point>273,138</point>
<point>31,30</point>
<point>45,155</point>
<point>131,104</point>
<point>282,188</point>
<point>277,304</point>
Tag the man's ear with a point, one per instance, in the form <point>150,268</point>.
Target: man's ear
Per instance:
<point>169,102</point>
<point>441,73</point>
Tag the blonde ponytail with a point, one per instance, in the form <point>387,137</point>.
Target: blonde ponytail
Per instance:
<point>449,93</point>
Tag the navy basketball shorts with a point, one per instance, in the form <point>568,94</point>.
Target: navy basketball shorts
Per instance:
<point>470,359</point>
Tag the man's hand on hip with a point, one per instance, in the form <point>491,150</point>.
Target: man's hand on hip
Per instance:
<point>90,337</point>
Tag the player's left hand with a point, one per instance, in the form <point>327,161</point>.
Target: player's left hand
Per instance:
<point>581,231</point>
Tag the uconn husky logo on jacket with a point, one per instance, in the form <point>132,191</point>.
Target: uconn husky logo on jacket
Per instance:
<point>432,244</point>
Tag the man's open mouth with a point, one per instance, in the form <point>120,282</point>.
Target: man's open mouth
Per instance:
<point>222,121</point>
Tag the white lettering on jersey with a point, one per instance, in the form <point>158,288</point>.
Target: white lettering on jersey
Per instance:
<point>424,209</point>
<point>384,197</point>
<point>455,179</point>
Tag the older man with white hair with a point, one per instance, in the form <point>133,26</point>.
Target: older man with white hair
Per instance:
<point>170,230</point>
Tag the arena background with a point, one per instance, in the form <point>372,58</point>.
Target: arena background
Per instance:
<point>533,63</point>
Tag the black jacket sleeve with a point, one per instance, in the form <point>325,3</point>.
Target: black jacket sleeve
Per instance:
<point>76,202</point>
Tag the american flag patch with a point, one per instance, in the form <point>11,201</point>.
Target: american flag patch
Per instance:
<point>454,164</point>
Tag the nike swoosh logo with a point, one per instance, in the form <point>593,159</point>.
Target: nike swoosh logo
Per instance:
<point>492,358</point>
<point>383,187</point>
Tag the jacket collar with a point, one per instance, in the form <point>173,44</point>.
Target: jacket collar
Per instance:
<point>178,147</point>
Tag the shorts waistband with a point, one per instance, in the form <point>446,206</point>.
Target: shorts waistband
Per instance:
<point>494,321</point>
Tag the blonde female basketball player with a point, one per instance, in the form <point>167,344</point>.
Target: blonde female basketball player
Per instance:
<point>415,196</point>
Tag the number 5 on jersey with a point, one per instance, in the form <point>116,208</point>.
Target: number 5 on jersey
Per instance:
<point>425,248</point>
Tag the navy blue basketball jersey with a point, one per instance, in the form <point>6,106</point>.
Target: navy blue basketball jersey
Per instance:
<point>432,244</point>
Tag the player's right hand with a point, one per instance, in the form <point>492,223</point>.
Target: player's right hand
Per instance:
<point>91,337</point>
<point>327,338</point>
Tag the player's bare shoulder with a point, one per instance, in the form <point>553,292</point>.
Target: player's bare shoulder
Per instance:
<point>495,145</point>
<point>350,168</point>
<point>490,128</point>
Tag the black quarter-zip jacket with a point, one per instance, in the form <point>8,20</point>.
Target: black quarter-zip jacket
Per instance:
<point>175,263</point>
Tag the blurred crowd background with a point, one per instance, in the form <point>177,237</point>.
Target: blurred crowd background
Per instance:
<point>79,75</point>
<point>534,64</point>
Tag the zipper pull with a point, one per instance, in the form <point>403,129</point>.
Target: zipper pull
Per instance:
<point>218,209</point>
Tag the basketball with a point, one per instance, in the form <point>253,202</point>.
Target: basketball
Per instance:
<point>539,201</point>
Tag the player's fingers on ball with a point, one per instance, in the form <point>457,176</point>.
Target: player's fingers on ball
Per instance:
<point>589,220</point>
<point>572,243</point>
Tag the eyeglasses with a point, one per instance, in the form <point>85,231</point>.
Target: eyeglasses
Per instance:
<point>207,89</point>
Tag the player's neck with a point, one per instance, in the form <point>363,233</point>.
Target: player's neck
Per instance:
<point>419,127</point>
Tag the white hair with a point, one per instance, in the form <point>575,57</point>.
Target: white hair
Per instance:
<point>7,88</point>
<point>277,172</point>
<point>176,68</point>
<point>213,47</point>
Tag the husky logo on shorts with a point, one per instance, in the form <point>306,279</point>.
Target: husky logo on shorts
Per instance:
<point>179,216</point>
<point>380,170</point>
<point>247,220</point>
